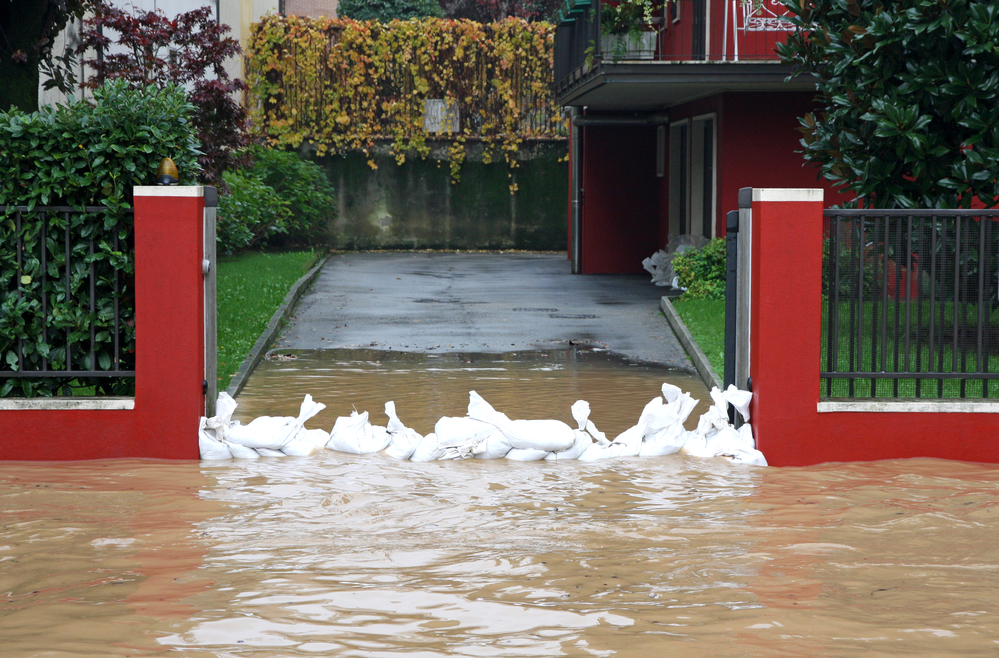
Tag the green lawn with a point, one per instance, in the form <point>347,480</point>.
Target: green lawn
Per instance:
<point>705,318</point>
<point>250,288</point>
<point>901,331</point>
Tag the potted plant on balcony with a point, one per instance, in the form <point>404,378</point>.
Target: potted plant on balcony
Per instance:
<point>625,29</point>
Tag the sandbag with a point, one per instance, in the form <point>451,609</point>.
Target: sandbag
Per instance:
<point>581,413</point>
<point>462,433</point>
<point>428,450</point>
<point>547,435</point>
<point>528,455</point>
<point>273,432</point>
<point>242,452</point>
<point>306,442</point>
<point>354,434</point>
<point>404,440</point>
<point>739,399</point>
<point>269,452</point>
<point>496,445</point>
<point>579,446</point>
<point>209,446</point>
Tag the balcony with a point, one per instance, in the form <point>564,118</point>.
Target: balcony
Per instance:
<point>689,48</point>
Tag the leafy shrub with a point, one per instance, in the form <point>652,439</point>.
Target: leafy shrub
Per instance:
<point>384,11</point>
<point>189,50</point>
<point>280,200</point>
<point>702,271</point>
<point>80,154</point>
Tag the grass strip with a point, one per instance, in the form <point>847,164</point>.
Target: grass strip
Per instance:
<point>705,318</point>
<point>251,287</point>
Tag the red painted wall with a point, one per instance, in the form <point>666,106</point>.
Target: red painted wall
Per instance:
<point>676,42</point>
<point>620,207</point>
<point>169,291</point>
<point>785,364</point>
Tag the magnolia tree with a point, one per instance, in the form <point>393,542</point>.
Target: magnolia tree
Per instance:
<point>909,91</point>
<point>189,50</point>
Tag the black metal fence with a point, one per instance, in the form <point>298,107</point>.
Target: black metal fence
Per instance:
<point>66,301</point>
<point>910,306</point>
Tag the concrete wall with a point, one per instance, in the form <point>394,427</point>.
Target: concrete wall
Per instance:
<point>416,206</point>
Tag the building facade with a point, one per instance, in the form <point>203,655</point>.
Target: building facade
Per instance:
<point>670,118</point>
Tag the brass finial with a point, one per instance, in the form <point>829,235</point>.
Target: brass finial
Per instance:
<point>166,173</point>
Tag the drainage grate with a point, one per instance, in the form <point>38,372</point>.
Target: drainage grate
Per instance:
<point>537,310</point>
<point>572,316</point>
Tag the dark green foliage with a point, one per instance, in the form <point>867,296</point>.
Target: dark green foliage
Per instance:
<point>27,31</point>
<point>909,92</point>
<point>78,155</point>
<point>702,271</point>
<point>280,200</point>
<point>384,11</point>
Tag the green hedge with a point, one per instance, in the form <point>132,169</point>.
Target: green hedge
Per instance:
<point>77,155</point>
<point>279,201</point>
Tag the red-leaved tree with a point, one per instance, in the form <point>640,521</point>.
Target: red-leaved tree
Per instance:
<point>189,50</point>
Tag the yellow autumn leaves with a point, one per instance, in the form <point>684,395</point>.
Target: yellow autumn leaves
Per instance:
<point>341,84</point>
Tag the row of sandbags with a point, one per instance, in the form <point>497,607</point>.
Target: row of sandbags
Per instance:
<point>486,433</point>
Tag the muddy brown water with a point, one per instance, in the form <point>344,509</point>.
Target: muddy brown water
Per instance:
<point>342,555</point>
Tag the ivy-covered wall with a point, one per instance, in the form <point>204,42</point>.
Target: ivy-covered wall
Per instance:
<point>416,205</point>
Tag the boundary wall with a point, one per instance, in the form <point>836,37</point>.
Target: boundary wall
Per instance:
<point>793,426</point>
<point>161,421</point>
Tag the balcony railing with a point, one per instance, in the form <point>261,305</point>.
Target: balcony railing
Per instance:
<point>680,31</point>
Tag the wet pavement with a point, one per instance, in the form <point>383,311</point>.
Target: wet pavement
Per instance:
<point>478,302</point>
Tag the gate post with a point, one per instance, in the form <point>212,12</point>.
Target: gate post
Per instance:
<point>169,320</point>
<point>785,320</point>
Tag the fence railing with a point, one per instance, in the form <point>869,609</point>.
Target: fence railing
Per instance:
<point>910,304</point>
<point>66,301</point>
<point>745,32</point>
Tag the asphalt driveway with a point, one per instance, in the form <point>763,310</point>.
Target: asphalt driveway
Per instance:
<point>478,302</point>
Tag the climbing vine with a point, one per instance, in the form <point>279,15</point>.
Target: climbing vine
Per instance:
<point>342,85</point>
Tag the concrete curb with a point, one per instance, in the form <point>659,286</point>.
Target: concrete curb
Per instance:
<point>697,357</point>
<point>273,327</point>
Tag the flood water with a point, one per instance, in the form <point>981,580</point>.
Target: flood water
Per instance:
<point>343,555</point>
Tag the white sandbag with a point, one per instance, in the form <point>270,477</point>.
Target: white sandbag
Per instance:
<point>456,432</point>
<point>242,452</point>
<point>666,441</point>
<point>269,452</point>
<point>547,435</point>
<point>404,440</point>
<point>582,442</point>
<point>306,442</point>
<point>273,432</point>
<point>520,455</point>
<point>355,435</point>
<point>428,450</point>
<point>597,451</point>
<point>222,420</point>
<point>739,399</point>
<point>495,446</point>
<point>748,457</point>
<point>581,413</point>
<point>209,446</point>
<point>671,392</point>
<point>656,265</point>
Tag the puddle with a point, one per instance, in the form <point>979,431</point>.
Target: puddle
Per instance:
<point>426,387</point>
